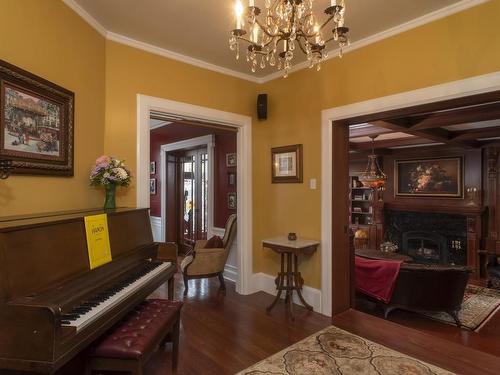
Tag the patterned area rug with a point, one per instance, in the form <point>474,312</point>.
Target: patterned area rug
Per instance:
<point>334,351</point>
<point>478,306</point>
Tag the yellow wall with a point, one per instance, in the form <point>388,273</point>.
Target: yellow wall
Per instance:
<point>460,46</point>
<point>130,71</point>
<point>48,39</point>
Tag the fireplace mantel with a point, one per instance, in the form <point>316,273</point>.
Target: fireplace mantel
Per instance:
<point>441,209</point>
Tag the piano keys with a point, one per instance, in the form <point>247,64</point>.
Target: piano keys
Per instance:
<point>88,311</point>
<point>52,305</point>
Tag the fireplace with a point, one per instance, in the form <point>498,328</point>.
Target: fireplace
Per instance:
<point>425,247</point>
<point>428,237</point>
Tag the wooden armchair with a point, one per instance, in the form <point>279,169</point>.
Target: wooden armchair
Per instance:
<point>203,263</point>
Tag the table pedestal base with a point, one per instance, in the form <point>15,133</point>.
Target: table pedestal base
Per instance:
<point>289,281</point>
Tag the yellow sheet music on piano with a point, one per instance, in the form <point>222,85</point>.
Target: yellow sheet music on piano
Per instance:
<point>96,227</point>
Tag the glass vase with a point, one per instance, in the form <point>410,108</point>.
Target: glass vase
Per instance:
<point>109,202</point>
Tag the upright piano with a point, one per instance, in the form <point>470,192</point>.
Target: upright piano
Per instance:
<point>52,305</point>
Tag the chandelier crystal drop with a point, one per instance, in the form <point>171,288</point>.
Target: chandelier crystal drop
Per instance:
<point>288,27</point>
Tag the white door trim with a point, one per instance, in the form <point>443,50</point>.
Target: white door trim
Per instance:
<point>208,141</point>
<point>451,90</point>
<point>145,104</point>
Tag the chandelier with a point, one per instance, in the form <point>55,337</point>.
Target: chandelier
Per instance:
<point>373,176</point>
<point>288,24</point>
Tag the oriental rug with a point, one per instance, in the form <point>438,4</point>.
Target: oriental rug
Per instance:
<point>334,351</point>
<point>479,305</point>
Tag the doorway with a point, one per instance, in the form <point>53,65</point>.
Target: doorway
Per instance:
<point>193,197</point>
<point>243,170</point>
<point>185,190</point>
<point>337,262</point>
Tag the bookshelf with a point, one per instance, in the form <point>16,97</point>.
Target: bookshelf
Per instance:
<point>365,212</point>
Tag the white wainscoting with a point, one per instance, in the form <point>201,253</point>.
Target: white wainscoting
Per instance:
<point>156,228</point>
<point>264,282</point>
<point>231,268</point>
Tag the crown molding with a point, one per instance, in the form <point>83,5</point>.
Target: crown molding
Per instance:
<point>412,24</point>
<point>122,39</point>
<point>177,56</point>
<point>118,38</point>
<point>77,8</point>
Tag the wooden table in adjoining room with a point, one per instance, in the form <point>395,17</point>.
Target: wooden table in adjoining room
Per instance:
<point>289,252</point>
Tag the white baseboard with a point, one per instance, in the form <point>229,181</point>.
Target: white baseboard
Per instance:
<point>264,282</point>
<point>230,273</point>
<point>156,228</point>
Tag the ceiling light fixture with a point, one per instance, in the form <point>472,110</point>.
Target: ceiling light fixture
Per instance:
<point>287,24</point>
<point>373,176</point>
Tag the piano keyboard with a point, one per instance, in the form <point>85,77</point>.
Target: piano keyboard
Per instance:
<point>92,309</point>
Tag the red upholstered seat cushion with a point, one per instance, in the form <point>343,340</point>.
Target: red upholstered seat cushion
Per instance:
<point>214,242</point>
<point>133,337</point>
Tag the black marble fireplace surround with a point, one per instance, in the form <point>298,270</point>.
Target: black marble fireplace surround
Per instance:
<point>430,238</point>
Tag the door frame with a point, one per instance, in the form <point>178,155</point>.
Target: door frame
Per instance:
<point>146,104</point>
<point>337,287</point>
<point>208,141</point>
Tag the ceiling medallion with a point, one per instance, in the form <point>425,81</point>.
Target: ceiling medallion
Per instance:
<point>288,24</point>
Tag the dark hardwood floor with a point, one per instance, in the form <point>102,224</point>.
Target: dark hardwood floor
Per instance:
<point>223,334</point>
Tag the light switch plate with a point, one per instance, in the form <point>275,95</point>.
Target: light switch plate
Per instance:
<point>312,184</point>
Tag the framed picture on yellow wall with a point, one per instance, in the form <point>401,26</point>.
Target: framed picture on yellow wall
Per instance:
<point>286,164</point>
<point>36,123</point>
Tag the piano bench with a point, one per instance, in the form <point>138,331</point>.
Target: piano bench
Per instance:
<point>129,345</point>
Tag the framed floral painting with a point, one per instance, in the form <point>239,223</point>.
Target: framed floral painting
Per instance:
<point>36,123</point>
<point>440,177</point>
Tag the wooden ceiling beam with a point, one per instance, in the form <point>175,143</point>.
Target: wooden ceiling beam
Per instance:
<point>368,131</point>
<point>437,135</point>
<point>388,143</point>
<point>485,112</point>
<point>476,133</point>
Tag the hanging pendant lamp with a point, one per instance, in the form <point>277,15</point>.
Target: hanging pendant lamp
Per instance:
<point>373,176</point>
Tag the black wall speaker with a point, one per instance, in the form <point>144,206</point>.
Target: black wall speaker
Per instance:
<point>262,106</point>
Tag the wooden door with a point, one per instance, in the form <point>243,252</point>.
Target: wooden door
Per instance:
<point>193,198</point>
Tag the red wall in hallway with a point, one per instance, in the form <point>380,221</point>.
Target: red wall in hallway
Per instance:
<point>225,143</point>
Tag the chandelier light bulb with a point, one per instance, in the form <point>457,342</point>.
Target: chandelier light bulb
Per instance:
<point>238,11</point>
<point>255,33</point>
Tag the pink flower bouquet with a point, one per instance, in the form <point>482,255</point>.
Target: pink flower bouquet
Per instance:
<point>109,171</point>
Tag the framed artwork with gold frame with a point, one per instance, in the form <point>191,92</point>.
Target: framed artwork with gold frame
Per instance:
<point>437,177</point>
<point>36,123</point>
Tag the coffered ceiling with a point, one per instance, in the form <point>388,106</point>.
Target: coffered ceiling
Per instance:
<point>200,29</point>
<point>466,127</point>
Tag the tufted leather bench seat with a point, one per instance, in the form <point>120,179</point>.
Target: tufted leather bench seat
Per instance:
<point>130,344</point>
